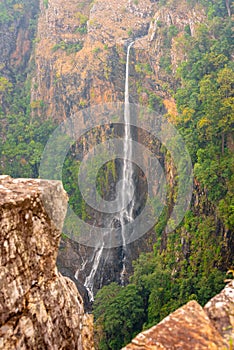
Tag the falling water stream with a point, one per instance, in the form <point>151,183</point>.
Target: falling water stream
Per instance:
<point>127,191</point>
<point>89,281</point>
<point>126,215</point>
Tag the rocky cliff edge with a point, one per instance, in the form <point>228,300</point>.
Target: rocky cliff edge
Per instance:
<point>39,308</point>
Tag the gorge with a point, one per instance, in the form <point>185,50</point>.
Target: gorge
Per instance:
<point>169,58</point>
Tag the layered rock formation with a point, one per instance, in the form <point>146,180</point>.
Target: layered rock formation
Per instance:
<point>39,308</point>
<point>18,26</point>
<point>192,327</point>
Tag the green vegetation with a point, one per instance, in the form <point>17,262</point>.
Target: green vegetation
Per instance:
<point>120,311</point>
<point>96,50</point>
<point>144,68</point>
<point>46,3</point>
<point>22,137</point>
<point>5,85</point>
<point>129,32</point>
<point>82,19</point>
<point>81,30</point>
<point>68,47</point>
<point>11,10</point>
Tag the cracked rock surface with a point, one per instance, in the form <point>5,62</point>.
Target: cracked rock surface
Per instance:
<point>39,308</point>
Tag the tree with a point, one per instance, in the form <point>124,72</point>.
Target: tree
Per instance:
<point>122,314</point>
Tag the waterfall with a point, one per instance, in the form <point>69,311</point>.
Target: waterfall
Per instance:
<point>127,191</point>
<point>95,261</point>
<point>89,281</point>
<point>126,215</point>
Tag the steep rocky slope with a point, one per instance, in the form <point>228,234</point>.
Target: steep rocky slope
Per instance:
<point>17,29</point>
<point>79,51</point>
<point>39,308</point>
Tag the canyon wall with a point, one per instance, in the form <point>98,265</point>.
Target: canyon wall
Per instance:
<point>39,307</point>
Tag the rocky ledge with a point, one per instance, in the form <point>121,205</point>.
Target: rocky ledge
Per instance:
<point>192,327</point>
<point>39,308</point>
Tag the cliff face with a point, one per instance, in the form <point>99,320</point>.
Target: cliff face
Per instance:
<point>80,52</point>
<point>191,325</point>
<point>80,59</point>
<point>39,308</point>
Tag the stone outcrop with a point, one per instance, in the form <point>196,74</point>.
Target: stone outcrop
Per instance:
<point>192,327</point>
<point>39,308</point>
<point>220,310</point>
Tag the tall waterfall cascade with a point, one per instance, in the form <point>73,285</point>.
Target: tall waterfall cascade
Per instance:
<point>126,214</point>
<point>127,200</point>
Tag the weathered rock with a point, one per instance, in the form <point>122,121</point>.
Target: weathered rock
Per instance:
<point>187,328</point>
<point>39,308</point>
<point>69,81</point>
<point>220,310</point>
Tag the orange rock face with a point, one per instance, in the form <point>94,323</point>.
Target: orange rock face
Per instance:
<point>68,77</point>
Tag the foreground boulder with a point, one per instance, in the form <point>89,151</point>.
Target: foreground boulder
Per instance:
<point>192,327</point>
<point>39,308</point>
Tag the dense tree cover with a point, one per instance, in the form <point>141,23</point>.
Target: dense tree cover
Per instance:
<point>22,137</point>
<point>193,263</point>
<point>11,10</point>
<point>120,314</point>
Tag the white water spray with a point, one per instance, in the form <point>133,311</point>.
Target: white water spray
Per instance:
<point>95,260</point>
